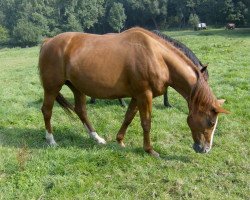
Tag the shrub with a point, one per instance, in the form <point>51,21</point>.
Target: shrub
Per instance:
<point>4,35</point>
<point>117,17</point>
<point>194,20</point>
<point>26,33</point>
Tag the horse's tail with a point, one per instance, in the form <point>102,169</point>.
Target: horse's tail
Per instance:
<point>66,105</point>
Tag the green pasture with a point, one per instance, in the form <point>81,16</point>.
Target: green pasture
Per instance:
<point>80,169</point>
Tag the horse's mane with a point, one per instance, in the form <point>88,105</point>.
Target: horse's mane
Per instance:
<point>188,52</point>
<point>201,97</point>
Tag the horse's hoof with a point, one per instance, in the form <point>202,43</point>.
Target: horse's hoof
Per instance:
<point>101,141</point>
<point>168,105</point>
<point>154,154</point>
<point>124,104</point>
<point>52,143</point>
<point>122,144</point>
<point>50,139</point>
<point>97,138</point>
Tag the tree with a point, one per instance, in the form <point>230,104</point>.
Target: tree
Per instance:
<point>26,33</point>
<point>193,20</point>
<point>89,12</point>
<point>235,11</point>
<point>117,17</point>
<point>73,24</point>
<point>144,11</point>
<point>4,35</point>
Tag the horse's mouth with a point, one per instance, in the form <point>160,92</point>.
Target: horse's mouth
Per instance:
<point>199,148</point>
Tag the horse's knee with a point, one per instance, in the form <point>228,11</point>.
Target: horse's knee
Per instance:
<point>46,112</point>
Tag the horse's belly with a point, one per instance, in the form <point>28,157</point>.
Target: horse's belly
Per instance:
<point>100,85</point>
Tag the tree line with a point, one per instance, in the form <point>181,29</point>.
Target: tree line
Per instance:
<point>26,22</point>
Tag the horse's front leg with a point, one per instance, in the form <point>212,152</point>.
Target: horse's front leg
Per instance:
<point>130,114</point>
<point>144,103</point>
<point>122,102</point>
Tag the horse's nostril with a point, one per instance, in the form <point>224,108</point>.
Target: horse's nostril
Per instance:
<point>197,148</point>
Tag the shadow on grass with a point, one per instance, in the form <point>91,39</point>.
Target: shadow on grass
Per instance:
<point>35,139</point>
<point>99,102</point>
<point>169,157</point>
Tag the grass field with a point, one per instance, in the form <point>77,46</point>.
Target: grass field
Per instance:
<point>80,169</point>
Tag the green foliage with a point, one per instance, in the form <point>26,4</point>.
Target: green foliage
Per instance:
<point>117,17</point>
<point>89,12</point>
<point>26,33</point>
<point>4,35</point>
<point>194,20</point>
<point>148,10</point>
<point>73,24</point>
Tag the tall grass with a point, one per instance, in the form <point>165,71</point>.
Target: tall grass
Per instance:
<point>80,169</point>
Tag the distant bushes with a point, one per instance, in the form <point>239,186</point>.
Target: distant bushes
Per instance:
<point>25,22</point>
<point>26,33</point>
<point>4,35</point>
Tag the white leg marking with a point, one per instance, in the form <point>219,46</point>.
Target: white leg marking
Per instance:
<point>95,136</point>
<point>50,139</point>
<point>212,135</point>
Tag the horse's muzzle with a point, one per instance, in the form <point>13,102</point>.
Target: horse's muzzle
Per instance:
<point>198,148</point>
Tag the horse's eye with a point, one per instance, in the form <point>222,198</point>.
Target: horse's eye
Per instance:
<point>211,123</point>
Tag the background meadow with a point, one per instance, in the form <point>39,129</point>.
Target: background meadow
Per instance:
<point>80,169</point>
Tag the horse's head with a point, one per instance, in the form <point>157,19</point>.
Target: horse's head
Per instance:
<point>203,125</point>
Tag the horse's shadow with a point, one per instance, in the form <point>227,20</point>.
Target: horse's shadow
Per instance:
<point>35,139</point>
<point>99,102</point>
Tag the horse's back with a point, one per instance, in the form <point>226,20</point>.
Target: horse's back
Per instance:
<point>115,65</point>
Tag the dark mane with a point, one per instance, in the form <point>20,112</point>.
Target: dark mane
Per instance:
<point>182,47</point>
<point>201,97</point>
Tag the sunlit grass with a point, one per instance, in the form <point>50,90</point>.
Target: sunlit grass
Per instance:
<point>80,169</point>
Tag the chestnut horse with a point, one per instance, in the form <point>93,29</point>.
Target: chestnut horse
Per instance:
<point>188,52</point>
<point>135,63</point>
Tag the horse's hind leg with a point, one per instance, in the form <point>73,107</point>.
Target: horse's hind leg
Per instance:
<point>92,100</point>
<point>80,109</point>
<point>130,114</point>
<point>122,102</point>
<point>48,103</point>
<point>165,99</point>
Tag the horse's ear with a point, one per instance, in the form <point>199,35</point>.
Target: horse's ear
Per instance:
<point>221,110</point>
<point>221,101</point>
<point>218,109</point>
<point>204,68</point>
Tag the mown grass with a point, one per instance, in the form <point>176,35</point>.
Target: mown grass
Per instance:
<point>80,169</point>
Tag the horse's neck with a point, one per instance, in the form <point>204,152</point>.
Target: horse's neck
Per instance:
<point>183,79</point>
<point>183,74</point>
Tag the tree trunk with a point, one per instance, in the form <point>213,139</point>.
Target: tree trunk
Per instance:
<point>156,26</point>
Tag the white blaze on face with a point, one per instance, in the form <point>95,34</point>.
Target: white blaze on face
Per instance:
<point>212,135</point>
